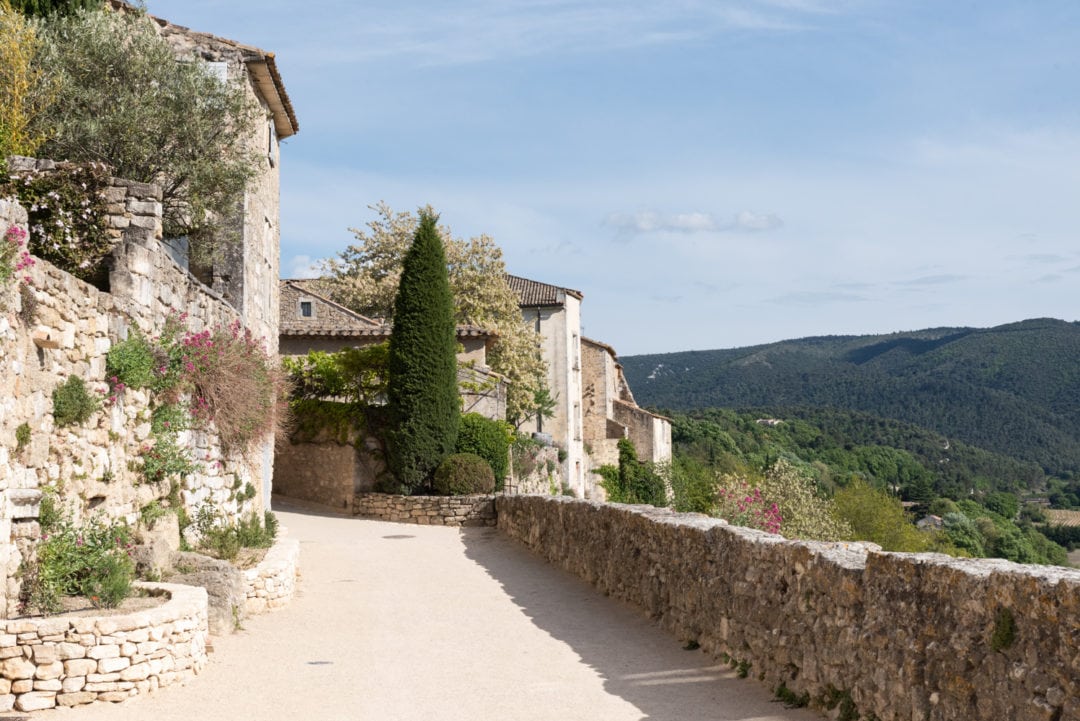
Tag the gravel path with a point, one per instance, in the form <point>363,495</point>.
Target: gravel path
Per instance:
<point>396,622</point>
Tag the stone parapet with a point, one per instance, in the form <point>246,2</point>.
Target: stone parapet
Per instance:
<point>427,510</point>
<point>75,660</point>
<point>271,584</point>
<point>891,636</point>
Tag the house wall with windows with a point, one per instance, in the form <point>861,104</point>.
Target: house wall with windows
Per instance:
<point>555,314</point>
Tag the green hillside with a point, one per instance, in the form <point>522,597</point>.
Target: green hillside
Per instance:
<point>1013,390</point>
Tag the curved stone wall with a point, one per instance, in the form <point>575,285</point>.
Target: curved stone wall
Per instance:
<point>74,660</point>
<point>891,636</point>
<point>272,583</point>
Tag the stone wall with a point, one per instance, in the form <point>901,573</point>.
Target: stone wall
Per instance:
<point>537,471</point>
<point>70,661</point>
<point>427,510</point>
<point>272,583</point>
<point>917,637</point>
<point>58,327</point>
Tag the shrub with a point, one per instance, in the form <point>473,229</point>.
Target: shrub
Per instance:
<point>66,210</point>
<point>24,88</point>
<point>132,362</point>
<point>633,481</point>
<point>488,439</point>
<point>357,375</point>
<point>234,384</point>
<point>90,561</point>
<point>463,474</point>
<point>72,403</point>
<point>22,436</point>
<point>422,393</point>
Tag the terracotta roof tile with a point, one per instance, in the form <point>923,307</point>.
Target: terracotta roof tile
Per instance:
<point>535,293</point>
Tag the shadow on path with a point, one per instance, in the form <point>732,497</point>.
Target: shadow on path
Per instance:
<point>639,662</point>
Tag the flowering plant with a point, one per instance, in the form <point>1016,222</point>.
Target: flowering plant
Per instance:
<point>14,257</point>
<point>744,505</point>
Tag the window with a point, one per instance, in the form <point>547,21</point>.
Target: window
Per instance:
<point>306,309</point>
<point>218,70</point>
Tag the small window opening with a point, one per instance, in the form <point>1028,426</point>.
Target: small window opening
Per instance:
<point>305,309</point>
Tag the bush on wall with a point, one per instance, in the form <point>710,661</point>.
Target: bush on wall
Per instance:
<point>463,474</point>
<point>488,439</point>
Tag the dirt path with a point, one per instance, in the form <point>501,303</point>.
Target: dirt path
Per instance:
<point>417,623</point>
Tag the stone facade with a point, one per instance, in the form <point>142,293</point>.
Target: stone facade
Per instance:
<point>536,471</point>
<point>330,468</point>
<point>272,583</point>
<point>611,413</point>
<point>427,510</point>
<point>555,314</point>
<point>70,661</point>
<point>911,637</point>
<point>68,332</point>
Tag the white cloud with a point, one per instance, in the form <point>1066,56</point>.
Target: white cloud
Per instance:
<point>301,266</point>
<point>649,221</point>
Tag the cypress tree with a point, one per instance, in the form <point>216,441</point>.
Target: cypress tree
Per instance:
<point>422,392</point>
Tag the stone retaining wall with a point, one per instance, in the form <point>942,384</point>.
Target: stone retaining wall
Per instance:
<point>427,510</point>
<point>271,584</point>
<point>69,661</point>
<point>917,637</point>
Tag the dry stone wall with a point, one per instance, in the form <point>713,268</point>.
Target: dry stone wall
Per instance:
<point>60,327</point>
<point>476,510</point>
<point>891,636</point>
<point>70,661</point>
<point>272,583</point>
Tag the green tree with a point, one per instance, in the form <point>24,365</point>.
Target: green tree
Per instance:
<point>25,90</point>
<point>876,516</point>
<point>365,276</point>
<point>632,481</point>
<point>125,100</point>
<point>42,8</point>
<point>422,393</point>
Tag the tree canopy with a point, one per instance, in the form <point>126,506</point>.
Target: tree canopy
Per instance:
<point>365,277</point>
<point>123,98</point>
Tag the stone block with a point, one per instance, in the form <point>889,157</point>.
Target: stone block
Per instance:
<point>103,652</point>
<point>75,699</point>
<point>49,670</point>
<point>24,685</point>
<point>80,667</point>
<point>52,684</point>
<point>35,701</point>
<point>71,684</point>
<point>109,665</point>
<point>17,668</point>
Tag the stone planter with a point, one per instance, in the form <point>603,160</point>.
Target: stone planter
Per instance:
<point>73,660</point>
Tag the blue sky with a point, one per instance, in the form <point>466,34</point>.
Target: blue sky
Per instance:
<point>709,174</point>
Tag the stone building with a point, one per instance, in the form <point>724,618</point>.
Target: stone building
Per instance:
<point>247,274</point>
<point>309,321</point>
<point>594,405</point>
<point>555,313</point>
<point>611,413</point>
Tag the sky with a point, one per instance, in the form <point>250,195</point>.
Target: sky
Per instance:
<point>708,173</point>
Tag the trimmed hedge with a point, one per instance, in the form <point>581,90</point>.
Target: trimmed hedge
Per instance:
<point>488,439</point>
<point>464,474</point>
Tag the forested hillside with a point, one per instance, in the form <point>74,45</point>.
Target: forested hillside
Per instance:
<point>1012,391</point>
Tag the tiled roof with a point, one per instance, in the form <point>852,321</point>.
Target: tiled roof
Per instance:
<point>535,293</point>
<point>333,319</point>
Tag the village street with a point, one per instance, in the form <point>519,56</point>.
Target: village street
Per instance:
<point>397,622</point>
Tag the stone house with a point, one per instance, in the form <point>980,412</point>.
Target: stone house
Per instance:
<point>611,413</point>
<point>594,405</point>
<point>309,321</point>
<point>247,274</point>
<point>554,312</point>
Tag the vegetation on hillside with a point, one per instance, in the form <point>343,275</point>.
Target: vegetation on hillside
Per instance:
<point>1013,390</point>
<point>726,463</point>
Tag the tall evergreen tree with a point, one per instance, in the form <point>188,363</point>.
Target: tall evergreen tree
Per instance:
<point>422,393</point>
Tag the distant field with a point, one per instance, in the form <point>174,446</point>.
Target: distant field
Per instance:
<point>1064,518</point>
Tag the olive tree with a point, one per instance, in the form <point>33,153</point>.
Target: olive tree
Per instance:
<point>123,98</point>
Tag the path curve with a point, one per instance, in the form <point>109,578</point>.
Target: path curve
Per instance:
<point>396,622</point>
